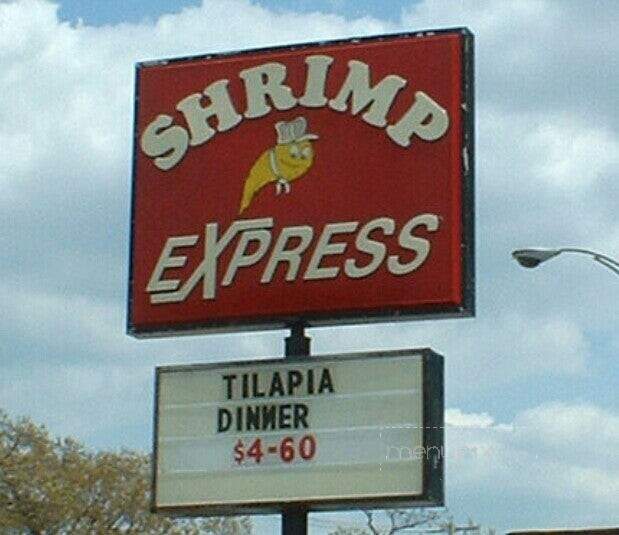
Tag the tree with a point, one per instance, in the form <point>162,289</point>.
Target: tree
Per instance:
<point>398,520</point>
<point>426,520</point>
<point>56,486</point>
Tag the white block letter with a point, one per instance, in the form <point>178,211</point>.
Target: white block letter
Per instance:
<point>292,256</point>
<point>266,80</point>
<point>165,143</point>
<point>325,248</point>
<point>425,118</point>
<point>166,260</point>
<point>241,259</point>
<point>420,246</point>
<point>197,116</point>
<point>372,247</point>
<point>379,98</point>
<point>317,68</point>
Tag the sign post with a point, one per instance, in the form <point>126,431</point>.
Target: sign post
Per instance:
<point>293,187</point>
<point>294,520</point>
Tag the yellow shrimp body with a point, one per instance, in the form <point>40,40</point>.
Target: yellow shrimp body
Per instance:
<point>283,163</point>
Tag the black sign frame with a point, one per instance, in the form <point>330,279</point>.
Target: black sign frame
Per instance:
<point>350,317</point>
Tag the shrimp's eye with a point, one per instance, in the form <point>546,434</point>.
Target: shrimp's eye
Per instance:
<point>294,151</point>
<point>307,152</point>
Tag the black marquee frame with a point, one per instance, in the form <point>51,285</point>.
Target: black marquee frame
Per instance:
<point>432,494</point>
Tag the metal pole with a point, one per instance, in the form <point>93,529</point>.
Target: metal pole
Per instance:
<point>297,344</point>
<point>294,519</point>
<point>294,522</point>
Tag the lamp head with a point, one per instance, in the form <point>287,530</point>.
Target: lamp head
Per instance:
<point>531,258</point>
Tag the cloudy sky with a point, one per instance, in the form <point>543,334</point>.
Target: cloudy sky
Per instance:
<point>531,381</point>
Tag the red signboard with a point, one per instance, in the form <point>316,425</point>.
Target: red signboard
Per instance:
<point>320,183</point>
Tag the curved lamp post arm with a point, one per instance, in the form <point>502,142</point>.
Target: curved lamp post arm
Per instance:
<point>531,258</point>
<point>606,261</point>
<point>610,265</point>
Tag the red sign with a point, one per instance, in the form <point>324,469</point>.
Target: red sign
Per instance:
<point>323,183</point>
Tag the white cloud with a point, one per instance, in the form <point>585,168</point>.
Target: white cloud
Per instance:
<point>535,54</point>
<point>483,354</point>
<point>563,452</point>
<point>457,418</point>
<point>92,401</point>
<point>547,168</point>
<point>584,434</point>
<point>570,154</point>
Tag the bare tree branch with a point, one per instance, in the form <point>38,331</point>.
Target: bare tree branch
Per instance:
<point>397,520</point>
<point>371,526</point>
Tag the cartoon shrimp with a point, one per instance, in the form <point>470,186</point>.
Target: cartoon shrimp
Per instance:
<point>290,159</point>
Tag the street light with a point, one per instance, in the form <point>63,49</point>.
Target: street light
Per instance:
<point>531,258</point>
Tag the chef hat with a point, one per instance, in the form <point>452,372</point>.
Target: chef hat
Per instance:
<point>289,131</point>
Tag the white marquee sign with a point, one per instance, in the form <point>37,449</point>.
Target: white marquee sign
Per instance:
<point>324,431</point>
